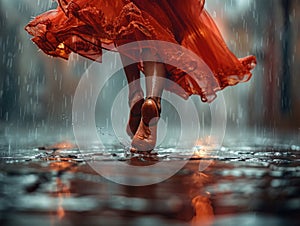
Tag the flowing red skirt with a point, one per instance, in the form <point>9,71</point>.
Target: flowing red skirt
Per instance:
<point>88,27</point>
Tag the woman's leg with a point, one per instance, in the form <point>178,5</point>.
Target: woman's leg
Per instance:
<point>145,137</point>
<point>135,96</point>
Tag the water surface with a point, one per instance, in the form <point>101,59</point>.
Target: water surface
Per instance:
<point>247,184</point>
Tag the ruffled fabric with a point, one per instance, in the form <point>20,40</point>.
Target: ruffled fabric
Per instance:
<point>88,27</point>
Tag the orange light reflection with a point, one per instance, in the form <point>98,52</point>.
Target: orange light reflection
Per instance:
<point>62,189</point>
<point>204,146</point>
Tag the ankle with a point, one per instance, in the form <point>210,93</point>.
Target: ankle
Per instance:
<point>134,97</point>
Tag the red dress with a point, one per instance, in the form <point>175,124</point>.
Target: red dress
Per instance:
<point>87,27</point>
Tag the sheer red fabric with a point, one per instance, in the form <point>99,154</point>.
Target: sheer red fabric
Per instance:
<point>88,27</point>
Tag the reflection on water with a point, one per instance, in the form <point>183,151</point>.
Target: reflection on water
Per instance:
<point>246,185</point>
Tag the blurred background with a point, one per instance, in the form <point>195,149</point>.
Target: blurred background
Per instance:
<point>36,91</point>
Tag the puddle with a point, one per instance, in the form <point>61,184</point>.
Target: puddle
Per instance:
<point>243,185</point>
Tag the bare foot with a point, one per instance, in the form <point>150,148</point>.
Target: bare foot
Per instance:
<point>145,138</point>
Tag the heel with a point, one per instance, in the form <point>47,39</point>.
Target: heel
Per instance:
<point>150,112</point>
<point>145,138</point>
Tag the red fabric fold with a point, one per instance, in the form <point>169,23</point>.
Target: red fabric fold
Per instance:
<point>87,27</point>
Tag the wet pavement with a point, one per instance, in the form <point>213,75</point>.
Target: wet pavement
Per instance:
<point>244,184</point>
